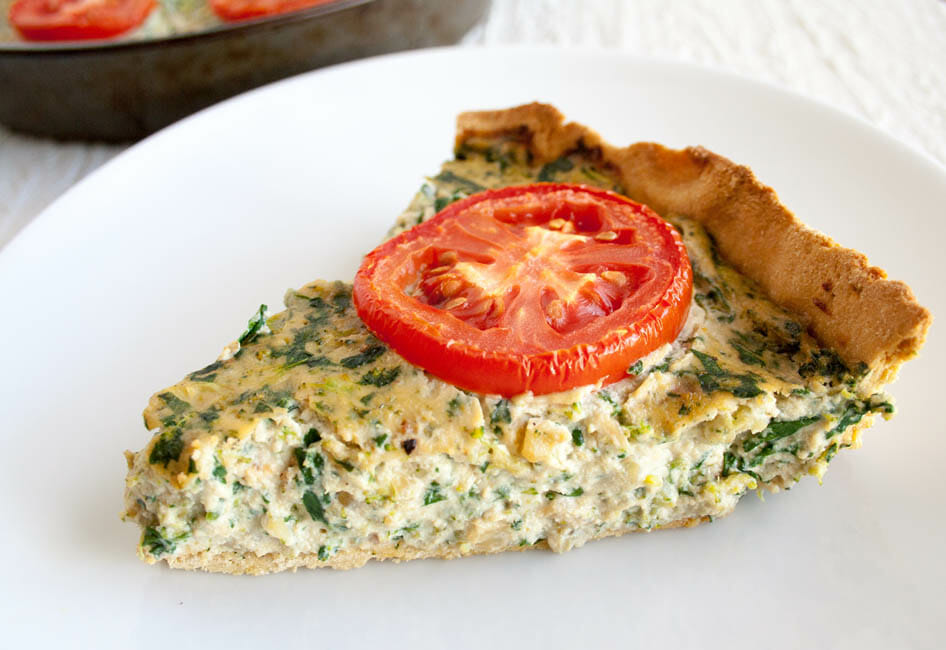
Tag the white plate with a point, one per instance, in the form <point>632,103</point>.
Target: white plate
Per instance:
<point>144,270</point>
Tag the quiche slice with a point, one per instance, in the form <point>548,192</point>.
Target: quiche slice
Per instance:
<point>311,443</point>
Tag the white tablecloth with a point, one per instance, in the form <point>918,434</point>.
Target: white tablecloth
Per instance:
<point>881,60</point>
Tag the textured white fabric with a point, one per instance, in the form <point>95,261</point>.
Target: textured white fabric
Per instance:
<point>881,60</point>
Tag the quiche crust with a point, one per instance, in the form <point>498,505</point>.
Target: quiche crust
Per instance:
<point>250,564</point>
<point>849,305</point>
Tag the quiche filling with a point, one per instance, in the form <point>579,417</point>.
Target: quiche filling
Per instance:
<point>309,438</point>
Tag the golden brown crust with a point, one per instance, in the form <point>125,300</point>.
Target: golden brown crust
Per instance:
<point>849,305</point>
<point>251,564</point>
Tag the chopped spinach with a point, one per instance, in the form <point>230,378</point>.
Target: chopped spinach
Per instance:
<point>311,437</point>
<point>209,415</point>
<point>471,187</point>
<point>747,356</point>
<point>313,504</point>
<point>367,355</point>
<point>715,378</point>
<point>549,170</point>
<point>296,354</point>
<point>157,544</point>
<point>207,373</point>
<point>175,403</point>
<point>399,534</point>
<point>380,376</point>
<point>254,326</point>
<point>453,406</point>
<point>578,437</point>
<point>733,463</point>
<point>433,494</point>
<point>443,201</point>
<point>219,471</point>
<point>167,448</point>
<point>854,410</point>
<point>552,494</point>
<point>500,414</point>
<point>616,410</point>
<point>310,464</point>
<point>341,301</point>
<point>826,363</point>
<point>776,430</point>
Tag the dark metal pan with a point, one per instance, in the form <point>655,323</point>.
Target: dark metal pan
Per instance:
<point>124,90</point>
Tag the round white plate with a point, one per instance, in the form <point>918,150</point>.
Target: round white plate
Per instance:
<point>144,270</point>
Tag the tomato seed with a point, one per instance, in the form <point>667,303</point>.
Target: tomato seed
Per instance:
<point>615,277</point>
<point>555,309</point>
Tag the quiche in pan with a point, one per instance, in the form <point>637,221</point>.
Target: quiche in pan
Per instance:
<point>534,358</point>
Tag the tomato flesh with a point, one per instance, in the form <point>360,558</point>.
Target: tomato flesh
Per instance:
<point>540,288</point>
<point>72,20</point>
<point>235,10</point>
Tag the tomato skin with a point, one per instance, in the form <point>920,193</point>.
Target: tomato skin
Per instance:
<point>236,10</point>
<point>509,358</point>
<point>75,20</point>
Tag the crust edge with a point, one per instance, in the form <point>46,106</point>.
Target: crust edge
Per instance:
<point>849,305</point>
<point>240,564</point>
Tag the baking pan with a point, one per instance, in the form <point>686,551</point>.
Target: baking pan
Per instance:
<point>123,90</point>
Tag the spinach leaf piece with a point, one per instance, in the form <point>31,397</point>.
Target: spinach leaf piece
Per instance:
<point>367,355</point>
<point>207,373</point>
<point>776,430</point>
<point>433,494</point>
<point>167,448</point>
<point>253,326</point>
<point>714,378</point>
<point>157,544</point>
<point>500,413</point>
<point>313,505</point>
<point>578,438</point>
<point>219,471</point>
<point>175,403</point>
<point>549,170</point>
<point>311,437</point>
<point>380,376</point>
<point>471,187</point>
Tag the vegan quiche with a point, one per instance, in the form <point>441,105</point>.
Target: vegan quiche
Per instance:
<point>327,437</point>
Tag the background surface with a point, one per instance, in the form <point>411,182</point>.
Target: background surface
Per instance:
<point>880,60</point>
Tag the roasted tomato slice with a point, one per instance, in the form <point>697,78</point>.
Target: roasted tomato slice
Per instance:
<point>536,288</point>
<point>246,9</point>
<point>73,20</point>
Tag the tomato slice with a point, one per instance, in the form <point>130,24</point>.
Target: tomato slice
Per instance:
<point>246,9</point>
<point>73,20</point>
<point>538,288</point>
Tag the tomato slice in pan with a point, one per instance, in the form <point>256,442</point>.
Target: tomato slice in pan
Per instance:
<point>246,9</point>
<point>72,20</point>
<point>538,288</point>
